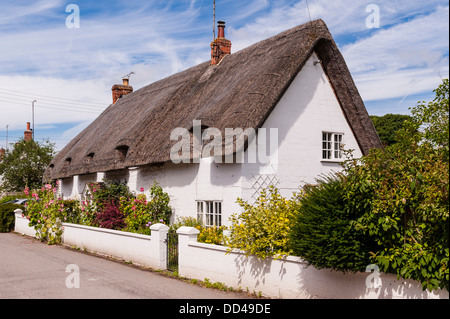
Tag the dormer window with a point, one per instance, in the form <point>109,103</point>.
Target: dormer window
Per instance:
<point>121,152</point>
<point>89,158</point>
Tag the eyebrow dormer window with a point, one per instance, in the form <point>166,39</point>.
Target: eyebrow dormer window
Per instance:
<point>121,152</point>
<point>89,158</point>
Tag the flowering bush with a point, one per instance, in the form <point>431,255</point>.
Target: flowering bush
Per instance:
<point>211,235</point>
<point>142,213</point>
<point>138,215</point>
<point>45,213</point>
<point>108,205</point>
<point>263,228</point>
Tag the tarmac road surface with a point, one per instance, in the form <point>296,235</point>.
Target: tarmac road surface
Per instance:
<point>30,269</point>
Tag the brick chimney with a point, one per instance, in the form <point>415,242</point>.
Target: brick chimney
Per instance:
<point>2,154</point>
<point>220,47</point>
<point>120,90</point>
<point>28,134</point>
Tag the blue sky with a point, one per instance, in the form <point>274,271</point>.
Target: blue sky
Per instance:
<point>70,71</point>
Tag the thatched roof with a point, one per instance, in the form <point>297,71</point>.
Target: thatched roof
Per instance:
<point>240,92</point>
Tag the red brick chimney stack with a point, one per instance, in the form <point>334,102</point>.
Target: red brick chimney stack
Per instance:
<point>2,153</point>
<point>120,90</point>
<point>221,46</point>
<point>28,134</point>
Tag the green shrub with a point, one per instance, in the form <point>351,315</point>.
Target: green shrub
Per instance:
<point>211,235</point>
<point>9,198</point>
<point>323,233</point>
<point>262,229</point>
<point>45,213</point>
<point>141,212</point>
<point>207,235</point>
<point>186,221</point>
<point>72,211</point>
<point>7,218</point>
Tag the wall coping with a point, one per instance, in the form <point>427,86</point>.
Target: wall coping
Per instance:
<point>226,249</point>
<point>185,230</point>
<point>105,230</point>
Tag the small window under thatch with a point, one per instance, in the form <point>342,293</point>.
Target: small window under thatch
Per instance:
<point>89,158</point>
<point>121,152</point>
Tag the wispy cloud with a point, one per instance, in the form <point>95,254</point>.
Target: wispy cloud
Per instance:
<point>405,59</point>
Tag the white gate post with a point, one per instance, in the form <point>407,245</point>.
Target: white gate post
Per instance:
<point>158,241</point>
<point>185,235</point>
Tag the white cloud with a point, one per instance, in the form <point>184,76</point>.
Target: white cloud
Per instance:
<point>406,59</point>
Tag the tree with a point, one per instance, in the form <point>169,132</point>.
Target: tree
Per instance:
<point>410,207</point>
<point>25,164</point>
<point>387,126</point>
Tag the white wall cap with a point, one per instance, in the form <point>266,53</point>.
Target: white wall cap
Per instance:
<point>185,230</point>
<point>159,227</point>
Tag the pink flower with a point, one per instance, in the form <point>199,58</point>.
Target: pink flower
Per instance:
<point>142,189</point>
<point>133,208</point>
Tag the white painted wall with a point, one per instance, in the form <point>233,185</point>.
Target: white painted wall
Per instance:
<point>308,108</point>
<point>287,278</point>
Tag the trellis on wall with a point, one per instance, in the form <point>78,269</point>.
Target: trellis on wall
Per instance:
<point>263,181</point>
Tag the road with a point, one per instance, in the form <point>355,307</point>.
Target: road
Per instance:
<point>30,269</point>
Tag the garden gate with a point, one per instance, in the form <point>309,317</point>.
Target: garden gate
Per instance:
<point>172,250</point>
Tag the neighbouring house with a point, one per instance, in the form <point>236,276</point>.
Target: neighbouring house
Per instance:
<point>194,132</point>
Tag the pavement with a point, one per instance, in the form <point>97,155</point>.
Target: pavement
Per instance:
<point>30,269</point>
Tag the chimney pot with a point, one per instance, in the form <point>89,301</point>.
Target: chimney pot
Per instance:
<point>221,29</point>
<point>221,46</point>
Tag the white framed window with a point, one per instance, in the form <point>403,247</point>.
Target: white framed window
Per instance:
<point>210,213</point>
<point>332,144</point>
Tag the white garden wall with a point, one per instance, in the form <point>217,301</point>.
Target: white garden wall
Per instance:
<point>288,278</point>
<point>143,250</point>
<point>21,224</point>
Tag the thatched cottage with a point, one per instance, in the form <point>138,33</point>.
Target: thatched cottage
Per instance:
<point>292,91</point>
